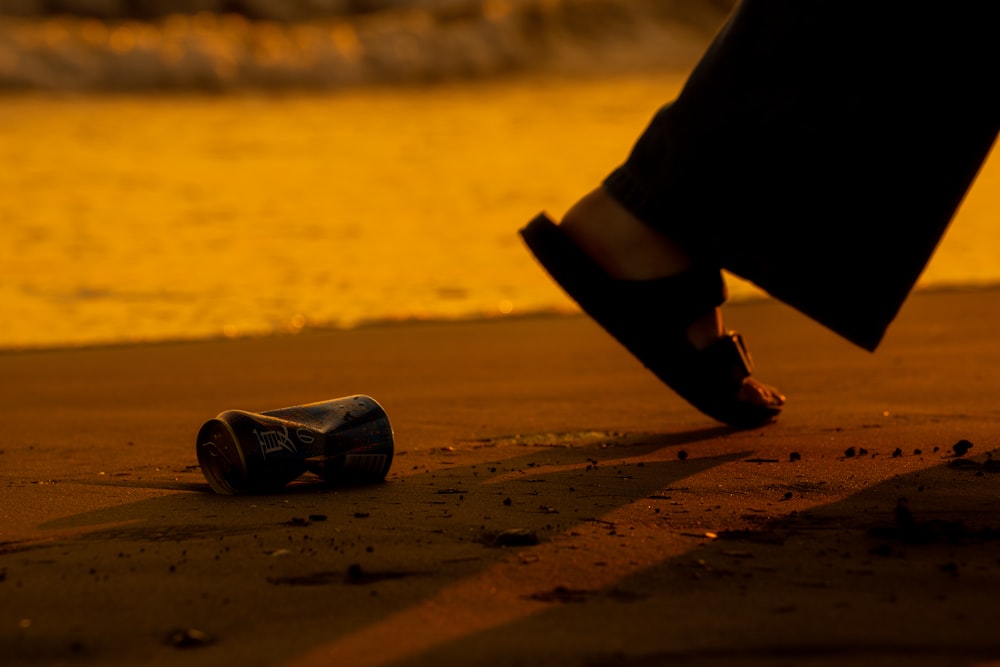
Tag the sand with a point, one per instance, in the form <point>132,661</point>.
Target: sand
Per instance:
<point>849,532</point>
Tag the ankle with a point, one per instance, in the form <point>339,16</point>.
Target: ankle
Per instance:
<point>620,243</point>
<point>629,249</point>
<point>704,331</point>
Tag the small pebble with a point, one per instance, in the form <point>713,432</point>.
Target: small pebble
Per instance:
<point>516,537</point>
<point>961,448</point>
<point>188,638</point>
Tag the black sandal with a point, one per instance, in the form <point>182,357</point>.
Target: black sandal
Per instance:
<point>715,380</point>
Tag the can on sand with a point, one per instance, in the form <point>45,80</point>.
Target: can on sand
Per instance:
<point>344,440</point>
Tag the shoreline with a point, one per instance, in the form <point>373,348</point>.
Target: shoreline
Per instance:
<point>571,311</point>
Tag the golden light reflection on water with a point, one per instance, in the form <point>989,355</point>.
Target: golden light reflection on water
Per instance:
<point>148,218</point>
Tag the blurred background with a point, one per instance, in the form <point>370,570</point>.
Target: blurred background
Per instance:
<point>184,169</point>
<point>224,45</point>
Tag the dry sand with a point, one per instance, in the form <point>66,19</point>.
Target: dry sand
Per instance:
<point>662,537</point>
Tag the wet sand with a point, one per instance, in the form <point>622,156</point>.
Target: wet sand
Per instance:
<point>661,536</point>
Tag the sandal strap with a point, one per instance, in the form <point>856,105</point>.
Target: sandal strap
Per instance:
<point>685,296</point>
<point>729,357</point>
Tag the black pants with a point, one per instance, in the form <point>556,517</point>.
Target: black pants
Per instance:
<point>820,149</point>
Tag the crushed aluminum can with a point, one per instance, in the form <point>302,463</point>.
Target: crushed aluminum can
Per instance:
<point>345,441</point>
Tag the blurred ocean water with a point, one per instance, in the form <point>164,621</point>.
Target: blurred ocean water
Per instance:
<point>263,172</point>
<point>224,45</point>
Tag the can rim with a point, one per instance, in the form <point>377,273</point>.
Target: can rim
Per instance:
<point>219,483</point>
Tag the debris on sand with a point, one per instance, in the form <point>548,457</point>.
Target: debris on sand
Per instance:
<point>561,594</point>
<point>188,638</point>
<point>750,535</point>
<point>961,448</point>
<point>989,465</point>
<point>516,537</point>
<point>909,530</point>
<point>355,575</point>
